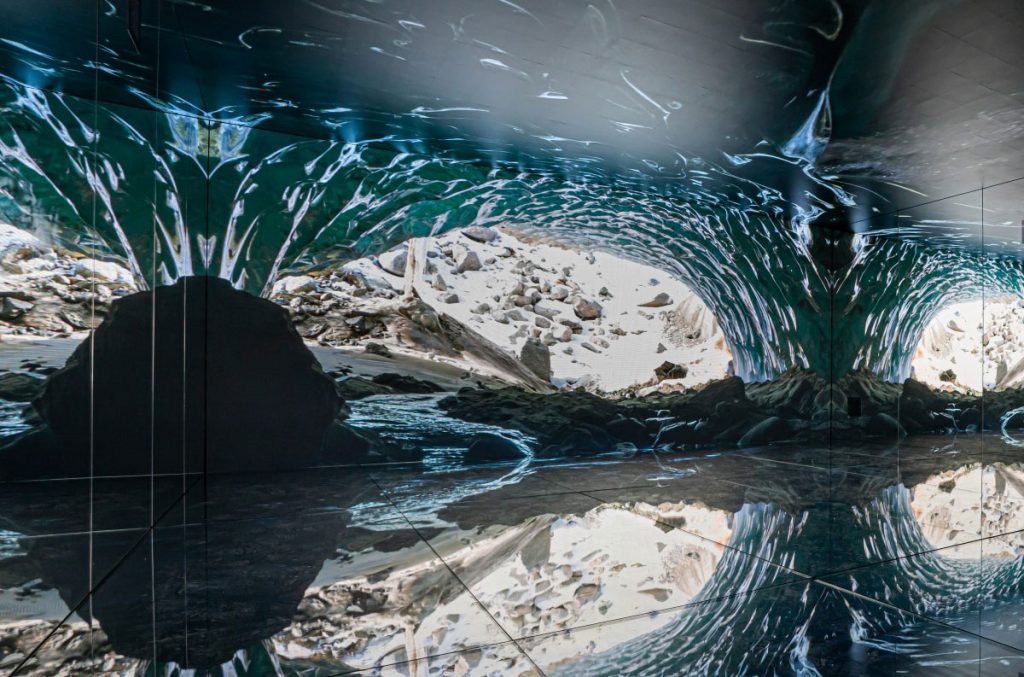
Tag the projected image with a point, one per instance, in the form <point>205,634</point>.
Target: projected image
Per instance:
<point>521,339</point>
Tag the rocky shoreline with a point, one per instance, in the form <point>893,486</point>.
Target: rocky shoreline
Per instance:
<point>799,408</point>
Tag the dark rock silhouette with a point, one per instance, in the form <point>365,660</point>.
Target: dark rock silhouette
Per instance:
<point>192,377</point>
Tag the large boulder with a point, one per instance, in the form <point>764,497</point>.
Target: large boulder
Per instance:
<point>587,310</point>
<point>536,357</point>
<point>480,233</point>
<point>659,301</point>
<point>190,377</point>
<point>394,261</point>
<point>487,447</point>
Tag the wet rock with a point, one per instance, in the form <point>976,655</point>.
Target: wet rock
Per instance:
<point>884,425</point>
<point>480,233</point>
<point>770,430</point>
<point>487,447</point>
<point>20,387</point>
<point>629,430</point>
<point>659,301</point>
<point>587,310</point>
<point>400,383</point>
<point>375,348</point>
<point>536,357</point>
<point>356,388</point>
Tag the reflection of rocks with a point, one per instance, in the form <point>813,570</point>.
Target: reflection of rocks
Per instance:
<point>273,532</point>
<point>232,384</point>
<point>947,506</point>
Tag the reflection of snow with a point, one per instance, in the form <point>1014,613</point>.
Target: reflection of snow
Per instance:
<point>546,574</point>
<point>961,505</point>
<point>970,345</point>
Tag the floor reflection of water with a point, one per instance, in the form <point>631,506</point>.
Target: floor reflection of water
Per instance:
<point>768,561</point>
<point>441,441</point>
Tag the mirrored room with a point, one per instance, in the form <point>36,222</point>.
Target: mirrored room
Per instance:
<point>487,338</point>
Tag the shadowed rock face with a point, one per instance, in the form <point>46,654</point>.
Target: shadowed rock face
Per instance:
<point>205,376</point>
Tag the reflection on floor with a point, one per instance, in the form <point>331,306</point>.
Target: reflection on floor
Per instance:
<point>877,560</point>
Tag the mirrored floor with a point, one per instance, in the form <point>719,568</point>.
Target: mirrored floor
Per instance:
<point>871,560</point>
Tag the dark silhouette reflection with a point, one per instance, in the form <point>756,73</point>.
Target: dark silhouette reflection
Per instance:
<point>839,556</point>
<point>191,377</point>
<point>225,568</point>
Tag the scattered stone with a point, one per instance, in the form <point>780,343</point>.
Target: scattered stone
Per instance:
<point>541,321</point>
<point>559,292</point>
<point>660,349</point>
<point>375,348</point>
<point>575,326</point>
<point>467,260</point>
<point>669,370</point>
<point>549,309</point>
<point>948,376</point>
<point>439,284</point>
<point>562,333</point>
<point>659,301</point>
<point>13,308</point>
<point>480,233</point>
<point>481,308</point>
<point>299,284</point>
<point>450,297</point>
<point>587,310</point>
